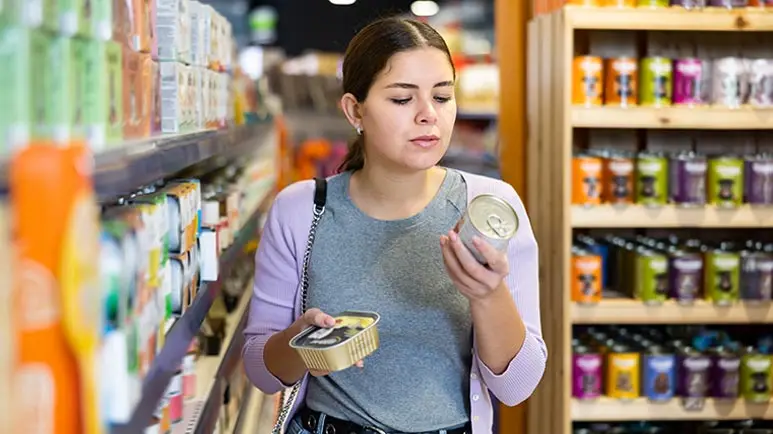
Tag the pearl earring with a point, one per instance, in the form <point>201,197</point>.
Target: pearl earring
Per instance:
<point>359,130</point>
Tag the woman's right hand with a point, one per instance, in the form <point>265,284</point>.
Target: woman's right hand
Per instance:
<point>315,317</point>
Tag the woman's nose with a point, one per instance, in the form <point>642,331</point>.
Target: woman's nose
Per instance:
<point>427,114</point>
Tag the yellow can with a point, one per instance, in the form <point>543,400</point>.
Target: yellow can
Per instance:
<point>623,374</point>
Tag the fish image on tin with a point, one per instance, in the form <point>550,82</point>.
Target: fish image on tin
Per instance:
<point>490,218</point>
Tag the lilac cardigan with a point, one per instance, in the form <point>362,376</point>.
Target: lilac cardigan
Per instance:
<point>275,300</point>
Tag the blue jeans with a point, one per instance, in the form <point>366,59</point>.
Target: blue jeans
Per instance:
<point>295,427</point>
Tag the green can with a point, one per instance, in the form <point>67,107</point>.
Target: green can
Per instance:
<point>653,3</point>
<point>721,279</point>
<point>651,279</point>
<point>756,376</point>
<point>655,81</point>
<point>651,179</point>
<point>725,181</point>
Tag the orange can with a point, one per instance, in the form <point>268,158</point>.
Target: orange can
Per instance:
<point>587,78</point>
<point>617,179</point>
<point>621,78</point>
<point>586,180</point>
<point>586,277</point>
<point>618,3</point>
<point>593,3</point>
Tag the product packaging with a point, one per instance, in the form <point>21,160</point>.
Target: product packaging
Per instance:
<point>101,20</point>
<point>114,92</point>
<point>172,95</point>
<point>78,58</point>
<point>173,26</point>
<point>93,82</point>
<point>198,51</point>
<point>122,22</point>
<point>58,89</point>
<point>145,87</point>
<point>155,97</point>
<point>132,100</point>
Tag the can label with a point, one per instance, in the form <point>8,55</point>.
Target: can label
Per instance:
<point>725,181</point>
<point>586,278</point>
<point>617,174</point>
<point>586,376</point>
<point>756,378</point>
<point>656,80</point>
<point>758,185</point>
<point>587,186</point>
<point>761,83</point>
<point>686,277</point>
<point>587,84</point>
<point>756,279</point>
<point>694,376</point>
<point>725,378</point>
<point>687,182</point>
<point>623,376</point>
<point>659,376</point>
<point>621,84</point>
<point>651,180</point>
<point>691,82</point>
<point>722,277</point>
<point>651,278</point>
<point>730,83</point>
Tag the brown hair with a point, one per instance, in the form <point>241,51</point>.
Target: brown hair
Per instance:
<point>367,55</point>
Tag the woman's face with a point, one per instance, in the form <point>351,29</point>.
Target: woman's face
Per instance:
<point>410,110</point>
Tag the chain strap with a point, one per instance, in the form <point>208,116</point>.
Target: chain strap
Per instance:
<point>288,404</point>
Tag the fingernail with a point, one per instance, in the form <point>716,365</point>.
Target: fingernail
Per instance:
<point>453,236</point>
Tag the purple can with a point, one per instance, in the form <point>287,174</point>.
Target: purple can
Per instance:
<point>761,82</point>
<point>689,4</point>
<point>694,370</point>
<point>729,4</point>
<point>687,179</point>
<point>758,185</point>
<point>692,83</point>
<point>586,373</point>
<point>756,279</point>
<point>686,276</point>
<point>725,374</point>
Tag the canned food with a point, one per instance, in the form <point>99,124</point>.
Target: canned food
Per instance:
<point>587,86</point>
<point>592,3</point>
<point>618,3</point>
<point>586,277</point>
<point>651,179</point>
<point>686,276</point>
<point>725,375</point>
<point>653,3</point>
<point>761,82</point>
<point>761,3</point>
<point>756,379</point>
<point>687,183</point>
<point>490,218</point>
<point>729,4</point>
<point>729,82</point>
<point>586,367</point>
<point>623,373</point>
<point>689,4</point>
<point>722,276</point>
<point>725,181</point>
<point>659,374</point>
<point>655,81</point>
<point>597,248</point>
<point>617,179</point>
<point>621,81</point>
<point>756,277</point>
<point>758,179</point>
<point>692,84</point>
<point>694,369</point>
<point>586,185</point>
<point>651,284</point>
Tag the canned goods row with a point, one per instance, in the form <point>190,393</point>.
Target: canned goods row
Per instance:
<point>661,81</point>
<point>686,4</point>
<point>691,427</point>
<point>655,270</point>
<point>683,179</point>
<point>626,364</point>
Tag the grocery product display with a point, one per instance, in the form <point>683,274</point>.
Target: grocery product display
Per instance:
<point>686,4</point>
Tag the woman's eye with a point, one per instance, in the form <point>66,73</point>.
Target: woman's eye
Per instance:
<point>402,101</point>
<point>442,99</point>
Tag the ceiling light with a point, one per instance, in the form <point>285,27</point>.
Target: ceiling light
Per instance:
<point>424,8</point>
<point>342,2</point>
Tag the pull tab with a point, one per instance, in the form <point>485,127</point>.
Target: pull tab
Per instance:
<point>497,225</point>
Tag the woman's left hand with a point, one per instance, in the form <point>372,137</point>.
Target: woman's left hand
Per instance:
<point>473,279</point>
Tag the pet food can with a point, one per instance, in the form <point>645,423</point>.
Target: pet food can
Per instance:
<point>725,375</point>
<point>761,3</point>
<point>586,277</point>
<point>600,248</point>
<point>586,373</point>
<point>586,185</point>
<point>623,373</point>
<point>691,82</point>
<point>689,4</point>
<point>725,181</point>
<point>693,374</point>
<point>653,3</point>
<point>758,179</point>
<point>617,179</point>
<point>686,275</point>
<point>651,179</point>
<point>756,376</point>
<point>687,183</point>
<point>490,218</point>
<point>761,82</point>
<point>655,81</point>
<point>588,3</point>
<point>618,3</point>
<point>621,81</point>
<point>756,276</point>
<point>722,270</point>
<point>729,4</point>
<point>587,86</point>
<point>658,374</point>
<point>353,337</point>
<point>729,82</point>
<point>651,273</point>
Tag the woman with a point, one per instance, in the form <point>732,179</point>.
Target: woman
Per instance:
<point>451,329</point>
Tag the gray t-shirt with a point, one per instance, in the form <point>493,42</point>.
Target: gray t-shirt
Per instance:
<point>418,380</point>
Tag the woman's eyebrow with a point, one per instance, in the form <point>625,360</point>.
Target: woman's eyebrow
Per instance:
<point>400,85</point>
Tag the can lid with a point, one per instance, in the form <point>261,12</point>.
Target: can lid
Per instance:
<point>493,217</point>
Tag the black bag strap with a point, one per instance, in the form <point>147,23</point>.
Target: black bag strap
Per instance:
<point>320,192</point>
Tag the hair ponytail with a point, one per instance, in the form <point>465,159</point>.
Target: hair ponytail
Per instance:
<point>355,156</point>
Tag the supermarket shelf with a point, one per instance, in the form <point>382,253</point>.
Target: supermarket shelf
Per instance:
<point>675,19</point>
<point>705,118</point>
<point>627,311</point>
<point>238,425</point>
<point>610,410</point>
<point>634,216</point>
<point>476,114</point>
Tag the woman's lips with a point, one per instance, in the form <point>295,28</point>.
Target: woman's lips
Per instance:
<point>426,141</point>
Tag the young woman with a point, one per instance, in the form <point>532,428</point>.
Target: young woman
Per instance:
<point>451,330</point>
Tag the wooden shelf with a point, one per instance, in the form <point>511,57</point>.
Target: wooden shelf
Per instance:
<point>627,311</point>
<point>709,19</point>
<point>607,409</point>
<point>636,216</point>
<point>704,118</point>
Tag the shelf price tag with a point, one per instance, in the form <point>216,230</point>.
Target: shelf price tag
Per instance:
<point>693,404</point>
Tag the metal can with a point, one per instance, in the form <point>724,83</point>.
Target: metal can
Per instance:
<point>722,276</point>
<point>761,3</point>
<point>756,378</point>
<point>689,4</point>
<point>756,277</point>
<point>618,3</point>
<point>587,88</point>
<point>725,374</point>
<point>651,284</point>
<point>655,81</point>
<point>586,183</point>
<point>586,373</point>
<point>687,180</point>
<point>586,276</point>
<point>761,82</point>
<point>686,274</point>
<point>658,374</point>
<point>651,179</point>
<point>623,373</point>
<point>729,82</point>
<point>694,369</point>
<point>692,84</point>
<point>729,4</point>
<point>725,181</point>
<point>617,179</point>
<point>652,3</point>
<point>621,81</point>
<point>599,248</point>
<point>758,179</point>
<point>490,218</point>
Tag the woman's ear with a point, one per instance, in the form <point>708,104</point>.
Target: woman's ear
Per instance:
<point>351,109</point>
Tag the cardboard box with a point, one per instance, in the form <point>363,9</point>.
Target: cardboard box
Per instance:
<point>155,95</point>
<point>79,85</point>
<point>58,89</point>
<point>145,93</point>
<point>173,27</point>
<point>173,82</point>
<point>94,82</point>
<point>101,20</point>
<point>114,67</point>
<point>122,23</point>
<point>132,100</point>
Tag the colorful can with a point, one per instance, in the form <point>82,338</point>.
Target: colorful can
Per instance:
<point>725,181</point>
<point>761,82</point>
<point>692,84</point>
<point>729,82</point>
<point>651,285</point>
<point>655,81</point>
<point>618,3</point>
<point>689,4</point>
<point>722,272</point>
<point>589,3</point>
<point>653,3</point>
<point>651,179</point>
<point>756,376</point>
<point>729,4</point>
<point>588,88</point>
<point>687,180</point>
<point>623,373</point>
<point>658,374</point>
<point>621,76</point>
<point>599,248</point>
<point>761,3</point>
<point>758,179</point>
<point>586,373</point>
<point>617,179</point>
<point>686,276</point>
<point>694,369</point>
<point>725,374</point>
<point>586,277</point>
<point>756,276</point>
<point>491,219</point>
<point>586,183</point>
